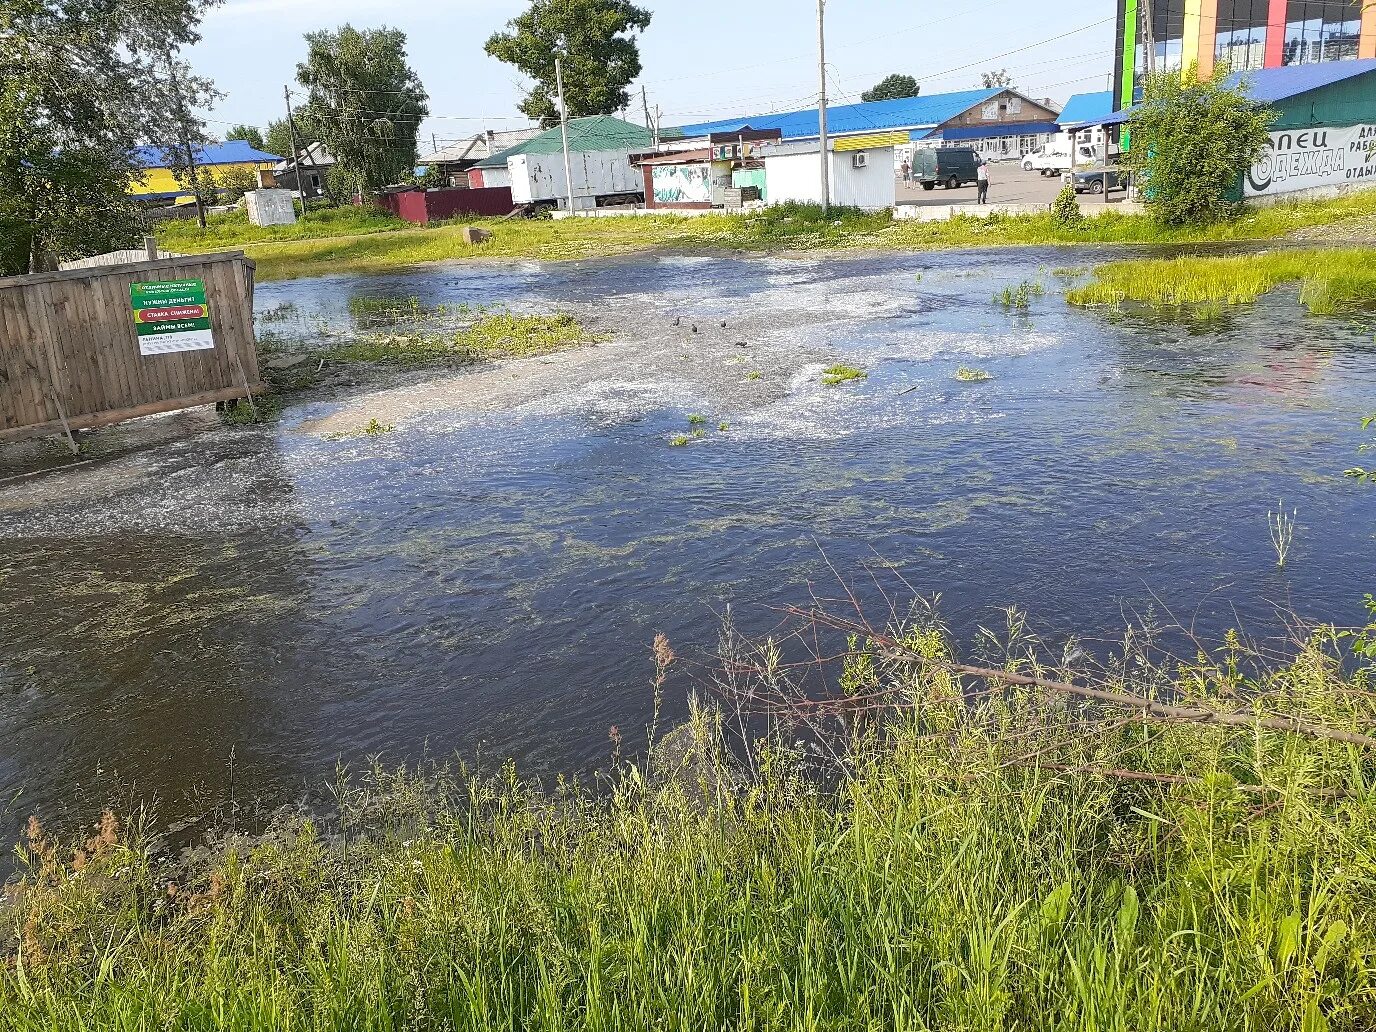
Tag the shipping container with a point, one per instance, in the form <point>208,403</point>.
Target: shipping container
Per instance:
<point>599,178</point>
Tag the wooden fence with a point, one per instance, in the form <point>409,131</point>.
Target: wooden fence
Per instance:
<point>81,349</point>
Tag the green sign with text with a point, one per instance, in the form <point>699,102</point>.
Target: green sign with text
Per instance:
<point>171,316</point>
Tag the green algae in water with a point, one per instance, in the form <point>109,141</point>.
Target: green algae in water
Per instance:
<point>834,376</point>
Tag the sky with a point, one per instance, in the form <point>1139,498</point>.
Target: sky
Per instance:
<point>704,60</point>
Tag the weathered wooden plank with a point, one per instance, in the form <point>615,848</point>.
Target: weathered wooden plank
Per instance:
<point>21,397</point>
<point>136,268</point>
<point>116,333</point>
<point>52,362</point>
<point>85,422</point>
<point>80,389</point>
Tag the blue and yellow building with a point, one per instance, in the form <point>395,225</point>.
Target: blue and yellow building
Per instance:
<point>160,186</point>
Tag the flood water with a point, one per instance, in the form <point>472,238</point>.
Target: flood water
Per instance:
<point>487,577</point>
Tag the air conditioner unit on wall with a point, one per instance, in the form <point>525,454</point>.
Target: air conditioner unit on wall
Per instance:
<point>858,159</point>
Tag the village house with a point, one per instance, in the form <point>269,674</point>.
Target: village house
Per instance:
<point>159,186</point>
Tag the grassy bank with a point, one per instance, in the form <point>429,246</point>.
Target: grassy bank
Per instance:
<point>321,247</point>
<point>1330,281</point>
<point>1019,860</point>
<point>232,229</point>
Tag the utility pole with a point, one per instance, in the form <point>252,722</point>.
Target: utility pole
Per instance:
<point>564,128</point>
<point>1149,35</point>
<point>651,126</point>
<point>822,106</point>
<point>296,153</point>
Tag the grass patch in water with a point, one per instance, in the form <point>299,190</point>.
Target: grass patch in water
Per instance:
<point>383,243</point>
<point>496,335</point>
<point>373,428</point>
<point>967,375</point>
<point>1019,297</point>
<point>279,313</point>
<point>835,375</point>
<point>978,856</point>
<point>1330,281</point>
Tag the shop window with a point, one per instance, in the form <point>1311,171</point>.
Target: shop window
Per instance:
<point>1321,30</point>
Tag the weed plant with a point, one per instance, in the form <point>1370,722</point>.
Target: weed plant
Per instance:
<point>967,375</point>
<point>1019,297</point>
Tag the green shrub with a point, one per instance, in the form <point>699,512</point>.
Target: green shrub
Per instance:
<point>1065,209</point>
<point>1191,143</point>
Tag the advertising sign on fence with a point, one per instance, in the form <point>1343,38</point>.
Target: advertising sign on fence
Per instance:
<point>682,184</point>
<point>1298,159</point>
<point>171,316</point>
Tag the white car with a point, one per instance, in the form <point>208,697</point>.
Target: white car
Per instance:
<point>1052,159</point>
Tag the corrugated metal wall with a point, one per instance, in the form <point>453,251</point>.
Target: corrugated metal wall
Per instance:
<point>1350,102</point>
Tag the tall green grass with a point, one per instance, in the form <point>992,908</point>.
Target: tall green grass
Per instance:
<point>1013,863</point>
<point>232,229</point>
<point>1330,281</point>
<point>361,240</point>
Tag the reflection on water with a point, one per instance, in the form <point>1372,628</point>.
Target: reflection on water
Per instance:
<point>490,577</point>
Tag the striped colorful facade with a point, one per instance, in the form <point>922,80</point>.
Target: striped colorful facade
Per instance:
<point>1243,34</point>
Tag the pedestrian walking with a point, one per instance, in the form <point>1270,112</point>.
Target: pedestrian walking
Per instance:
<point>982,183</point>
<point>907,171</point>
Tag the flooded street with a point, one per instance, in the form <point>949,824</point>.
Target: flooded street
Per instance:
<point>487,576</point>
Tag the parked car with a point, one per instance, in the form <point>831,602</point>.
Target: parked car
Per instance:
<point>949,166</point>
<point>1055,157</point>
<point>1091,180</point>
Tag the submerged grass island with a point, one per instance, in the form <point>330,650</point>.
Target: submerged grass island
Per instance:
<point>1329,280</point>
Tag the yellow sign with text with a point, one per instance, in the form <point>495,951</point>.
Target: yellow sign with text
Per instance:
<point>869,140</point>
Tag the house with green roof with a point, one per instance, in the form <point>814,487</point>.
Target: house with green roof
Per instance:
<point>600,147</point>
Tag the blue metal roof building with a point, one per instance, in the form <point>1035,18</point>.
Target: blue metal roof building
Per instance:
<point>907,113</point>
<point>232,152</point>
<point>1327,93</point>
<point>1087,108</point>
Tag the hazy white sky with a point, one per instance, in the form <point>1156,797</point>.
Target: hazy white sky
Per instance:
<point>703,60</point>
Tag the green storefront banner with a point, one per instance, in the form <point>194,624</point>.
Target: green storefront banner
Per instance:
<point>171,316</point>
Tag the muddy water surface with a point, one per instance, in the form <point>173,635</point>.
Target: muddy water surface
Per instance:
<point>488,575</point>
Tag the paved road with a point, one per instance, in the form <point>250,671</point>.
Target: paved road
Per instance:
<point>1008,184</point>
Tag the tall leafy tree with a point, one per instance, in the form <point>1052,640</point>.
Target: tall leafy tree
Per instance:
<point>367,105</point>
<point>892,87</point>
<point>82,82</point>
<point>183,135</point>
<point>1191,143</point>
<point>595,38</point>
<point>250,135</point>
<point>996,80</point>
